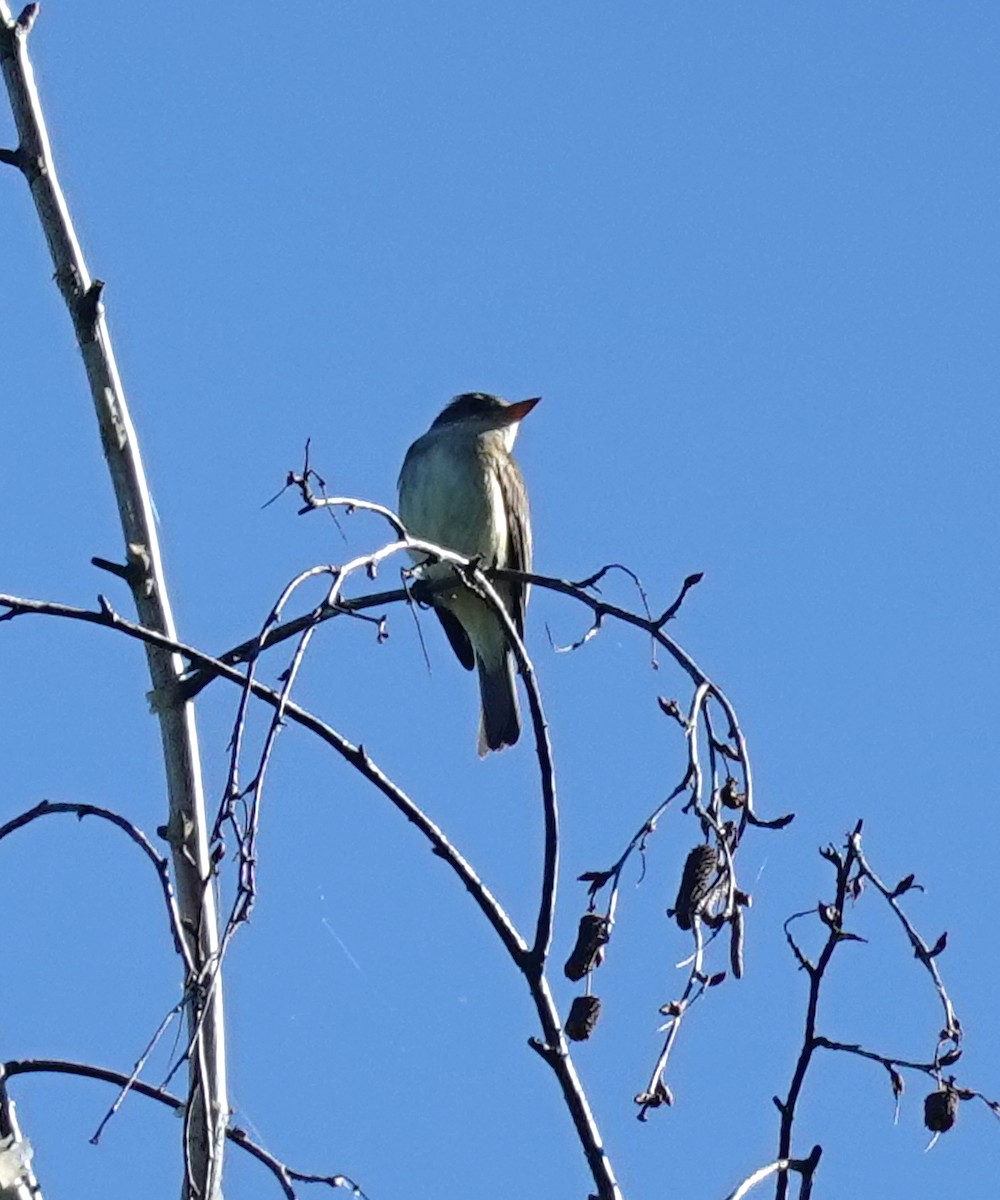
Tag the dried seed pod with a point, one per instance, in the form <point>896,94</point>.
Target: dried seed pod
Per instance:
<point>696,883</point>
<point>940,1110</point>
<point>582,1018</point>
<point>730,794</point>
<point>659,1094</point>
<point>736,943</point>
<point>589,949</point>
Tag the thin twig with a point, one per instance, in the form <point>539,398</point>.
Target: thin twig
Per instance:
<point>137,1069</point>
<point>952,1028</point>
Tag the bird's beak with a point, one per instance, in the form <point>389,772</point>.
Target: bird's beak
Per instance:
<point>520,409</point>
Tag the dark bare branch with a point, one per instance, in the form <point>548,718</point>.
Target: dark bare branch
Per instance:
<point>285,1175</point>
<point>160,865</point>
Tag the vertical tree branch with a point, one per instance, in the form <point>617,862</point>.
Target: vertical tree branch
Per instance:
<point>832,916</point>
<point>187,826</point>
<point>555,1051</point>
<point>546,767</point>
<point>17,1180</point>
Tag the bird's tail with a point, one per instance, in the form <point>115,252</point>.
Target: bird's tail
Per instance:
<point>500,721</point>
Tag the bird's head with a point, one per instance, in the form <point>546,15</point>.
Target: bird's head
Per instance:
<point>480,412</point>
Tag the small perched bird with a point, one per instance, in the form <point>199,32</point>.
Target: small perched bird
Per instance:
<point>460,487</point>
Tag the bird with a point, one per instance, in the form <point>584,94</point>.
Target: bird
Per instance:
<point>460,488</point>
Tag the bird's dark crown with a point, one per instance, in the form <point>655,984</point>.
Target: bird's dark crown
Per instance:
<point>469,404</point>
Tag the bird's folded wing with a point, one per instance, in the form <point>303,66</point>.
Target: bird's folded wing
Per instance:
<point>515,499</point>
<point>457,636</point>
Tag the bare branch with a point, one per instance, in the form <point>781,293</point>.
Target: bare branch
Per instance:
<point>952,1028</point>
<point>554,1048</point>
<point>543,750</point>
<point>806,1167</point>
<point>852,870</point>
<point>48,807</point>
<point>311,501</point>
<point>82,295</point>
<point>284,1174</point>
<point>928,1068</point>
<point>844,865</point>
<point>356,756</point>
<point>18,1182</point>
<point>137,1069</point>
<point>706,788</point>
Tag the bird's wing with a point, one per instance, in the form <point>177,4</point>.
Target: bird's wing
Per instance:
<point>457,636</point>
<point>515,501</point>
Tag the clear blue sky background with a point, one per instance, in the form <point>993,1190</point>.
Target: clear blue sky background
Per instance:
<point>748,254</point>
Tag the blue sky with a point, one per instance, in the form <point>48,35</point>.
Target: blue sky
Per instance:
<point>749,257</point>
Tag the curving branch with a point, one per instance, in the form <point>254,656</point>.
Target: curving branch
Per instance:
<point>105,617</point>
<point>722,804</point>
<point>48,808</point>
<point>806,1167</point>
<point>245,830</point>
<point>703,781</point>
<point>543,749</point>
<point>553,1048</point>
<point>144,573</point>
<point>285,1175</point>
<point>925,954</point>
<point>531,963</point>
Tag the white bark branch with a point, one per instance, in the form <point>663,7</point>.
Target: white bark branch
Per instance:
<point>17,1180</point>
<point>209,1107</point>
